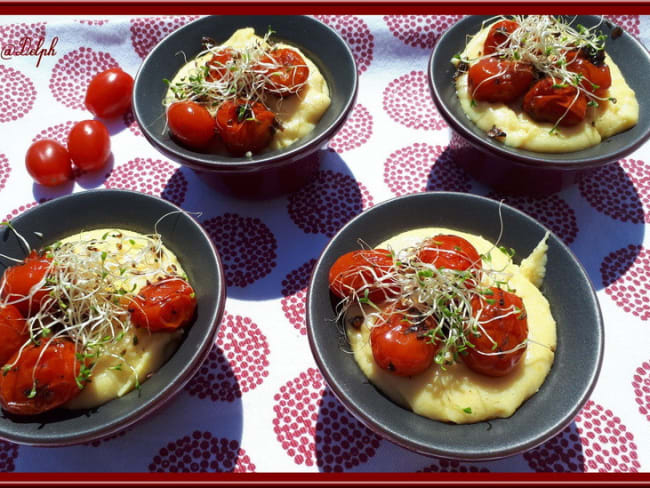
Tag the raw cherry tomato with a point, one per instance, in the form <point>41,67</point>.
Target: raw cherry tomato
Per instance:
<point>243,127</point>
<point>164,305</point>
<point>498,80</point>
<point>286,71</point>
<point>508,332</point>
<point>401,347</point>
<point>217,64</point>
<point>17,281</point>
<point>13,332</point>
<point>48,163</point>
<point>53,375</point>
<point>547,101</point>
<point>191,123</point>
<point>596,79</point>
<point>89,145</point>
<point>109,93</point>
<point>450,252</point>
<point>498,35</point>
<point>358,271</point>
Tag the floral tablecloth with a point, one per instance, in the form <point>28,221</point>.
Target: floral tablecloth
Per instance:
<point>259,403</point>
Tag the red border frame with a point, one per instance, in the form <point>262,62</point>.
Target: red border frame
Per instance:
<point>317,7</point>
<point>159,7</point>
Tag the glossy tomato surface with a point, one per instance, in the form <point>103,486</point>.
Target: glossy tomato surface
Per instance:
<point>402,346</point>
<point>244,127</point>
<point>364,273</point>
<point>502,318</point>
<point>109,93</point>
<point>89,145</point>
<point>286,71</point>
<point>550,101</point>
<point>164,305</point>
<point>498,80</point>
<point>40,378</point>
<point>19,281</point>
<point>48,163</point>
<point>450,252</point>
<point>499,35</point>
<point>191,124</point>
<point>13,331</point>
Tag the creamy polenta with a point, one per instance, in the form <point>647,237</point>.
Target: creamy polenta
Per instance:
<point>138,352</point>
<point>456,393</point>
<point>297,115</point>
<point>521,131</point>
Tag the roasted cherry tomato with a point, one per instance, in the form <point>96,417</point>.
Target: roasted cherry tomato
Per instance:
<point>499,35</point>
<point>551,101</point>
<point>244,127</point>
<point>89,145</point>
<point>450,252</point>
<point>48,162</point>
<point>164,305</point>
<point>402,347</point>
<point>285,69</point>
<point>13,332</point>
<point>18,281</point>
<point>191,123</point>
<point>109,93</point>
<point>217,64</point>
<point>498,80</point>
<point>503,317</point>
<point>44,377</point>
<point>365,270</point>
<point>595,79</point>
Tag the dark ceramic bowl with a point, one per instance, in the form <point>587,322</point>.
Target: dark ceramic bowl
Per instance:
<point>263,175</point>
<point>520,171</point>
<point>182,235</point>
<point>566,286</point>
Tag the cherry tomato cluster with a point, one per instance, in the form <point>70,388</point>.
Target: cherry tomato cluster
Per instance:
<point>500,80</point>
<point>43,373</point>
<point>404,345</point>
<point>242,125</point>
<point>88,145</point>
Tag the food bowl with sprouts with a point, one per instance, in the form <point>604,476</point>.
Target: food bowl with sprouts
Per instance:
<point>247,101</point>
<point>105,315</point>
<point>455,326</point>
<point>536,101</point>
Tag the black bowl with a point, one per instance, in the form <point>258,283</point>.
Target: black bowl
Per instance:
<point>519,171</point>
<point>263,175</point>
<point>567,287</point>
<point>138,212</point>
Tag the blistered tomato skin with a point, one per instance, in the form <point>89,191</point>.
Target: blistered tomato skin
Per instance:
<point>217,64</point>
<point>286,71</point>
<point>109,93</point>
<point>497,80</point>
<point>503,317</point>
<point>401,347</point>
<point>551,101</point>
<point>594,79</point>
<point>359,271</point>
<point>450,252</point>
<point>18,280</point>
<point>43,377</point>
<point>243,127</point>
<point>164,305</point>
<point>13,332</point>
<point>498,36</point>
<point>191,124</point>
<point>89,145</point>
<point>48,163</point>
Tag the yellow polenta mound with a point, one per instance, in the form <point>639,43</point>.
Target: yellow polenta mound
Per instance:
<point>298,114</point>
<point>523,132</point>
<point>139,352</point>
<point>448,394</point>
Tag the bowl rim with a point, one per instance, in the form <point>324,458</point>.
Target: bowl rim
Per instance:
<point>522,157</point>
<point>163,396</point>
<point>228,164</point>
<point>334,382</point>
